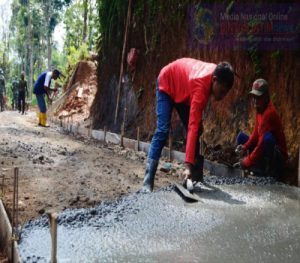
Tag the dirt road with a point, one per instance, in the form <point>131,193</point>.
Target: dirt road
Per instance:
<point>59,171</point>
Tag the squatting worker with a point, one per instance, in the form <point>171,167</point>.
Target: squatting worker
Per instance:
<point>186,85</point>
<point>42,88</point>
<point>266,145</point>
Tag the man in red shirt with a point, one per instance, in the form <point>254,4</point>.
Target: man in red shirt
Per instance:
<point>186,85</point>
<point>266,145</point>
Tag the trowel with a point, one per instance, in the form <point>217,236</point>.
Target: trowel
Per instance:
<point>186,191</point>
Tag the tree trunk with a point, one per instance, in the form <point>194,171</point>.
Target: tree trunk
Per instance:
<point>48,13</point>
<point>49,48</point>
<point>85,18</point>
<point>30,54</point>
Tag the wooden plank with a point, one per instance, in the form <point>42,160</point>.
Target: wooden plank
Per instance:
<point>53,232</point>
<point>6,244</point>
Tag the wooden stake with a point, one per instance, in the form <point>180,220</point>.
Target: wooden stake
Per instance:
<point>170,146</point>
<point>90,129</point>
<point>53,232</point>
<point>138,138</point>
<point>3,179</point>
<point>122,59</point>
<point>105,131</point>
<point>299,169</point>
<point>123,127</point>
<point>122,136</point>
<point>201,145</point>
<point>15,211</point>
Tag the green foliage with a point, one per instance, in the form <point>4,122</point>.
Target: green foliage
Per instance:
<point>33,101</point>
<point>74,24</point>
<point>274,98</point>
<point>277,54</point>
<point>59,60</point>
<point>112,15</point>
<point>76,55</point>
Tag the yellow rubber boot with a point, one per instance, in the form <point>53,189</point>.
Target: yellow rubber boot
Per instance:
<point>40,118</point>
<point>44,120</point>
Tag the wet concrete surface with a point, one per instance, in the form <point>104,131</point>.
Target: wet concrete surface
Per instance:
<point>256,221</point>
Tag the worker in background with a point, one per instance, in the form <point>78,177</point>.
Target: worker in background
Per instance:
<point>265,151</point>
<point>186,85</point>
<point>23,91</point>
<point>2,90</point>
<point>15,94</point>
<point>42,88</point>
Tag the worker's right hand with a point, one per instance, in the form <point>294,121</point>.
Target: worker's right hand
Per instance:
<point>187,173</point>
<point>240,150</point>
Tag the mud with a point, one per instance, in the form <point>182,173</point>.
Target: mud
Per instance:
<point>233,223</point>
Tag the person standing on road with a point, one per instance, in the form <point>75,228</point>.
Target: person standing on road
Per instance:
<point>15,94</point>
<point>2,91</point>
<point>23,91</point>
<point>266,147</point>
<point>186,85</point>
<point>42,88</point>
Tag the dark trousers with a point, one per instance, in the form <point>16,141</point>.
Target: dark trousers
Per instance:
<point>164,108</point>
<point>1,101</point>
<point>21,101</point>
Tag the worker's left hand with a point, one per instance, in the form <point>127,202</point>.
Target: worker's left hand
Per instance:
<point>240,164</point>
<point>237,165</point>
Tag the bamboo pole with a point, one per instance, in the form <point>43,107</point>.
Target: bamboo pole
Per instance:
<point>53,232</point>
<point>122,60</point>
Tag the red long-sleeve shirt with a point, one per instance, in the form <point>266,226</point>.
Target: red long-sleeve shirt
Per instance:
<point>268,121</point>
<point>188,80</point>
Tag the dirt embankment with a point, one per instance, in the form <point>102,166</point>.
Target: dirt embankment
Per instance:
<point>79,93</point>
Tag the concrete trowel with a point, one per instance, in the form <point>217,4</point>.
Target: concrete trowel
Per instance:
<point>187,189</point>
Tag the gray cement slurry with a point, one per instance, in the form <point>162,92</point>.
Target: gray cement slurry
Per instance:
<point>234,223</point>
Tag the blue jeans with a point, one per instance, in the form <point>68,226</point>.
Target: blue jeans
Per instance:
<point>40,98</point>
<point>164,108</point>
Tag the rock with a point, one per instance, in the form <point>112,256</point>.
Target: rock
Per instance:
<point>21,205</point>
<point>166,167</point>
<point>41,211</point>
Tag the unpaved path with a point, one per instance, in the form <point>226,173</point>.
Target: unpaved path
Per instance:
<point>59,171</point>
